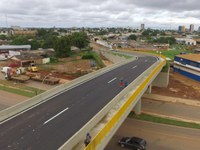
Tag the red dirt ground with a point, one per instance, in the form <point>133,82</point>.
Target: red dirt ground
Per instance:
<point>180,86</point>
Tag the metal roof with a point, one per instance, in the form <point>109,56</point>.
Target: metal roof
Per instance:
<point>10,47</point>
<point>192,57</point>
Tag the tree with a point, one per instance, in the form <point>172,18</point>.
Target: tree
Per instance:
<point>80,40</point>
<point>63,47</point>
<point>20,40</point>
<point>35,44</point>
<point>132,37</point>
<point>3,37</point>
<point>49,41</point>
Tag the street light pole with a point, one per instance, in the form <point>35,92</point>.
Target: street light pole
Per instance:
<point>37,91</point>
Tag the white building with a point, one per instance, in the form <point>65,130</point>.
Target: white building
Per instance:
<point>4,32</point>
<point>186,41</point>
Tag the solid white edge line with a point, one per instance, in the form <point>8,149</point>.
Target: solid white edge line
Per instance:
<point>112,80</point>
<point>55,116</point>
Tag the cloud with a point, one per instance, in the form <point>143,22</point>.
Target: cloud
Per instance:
<point>67,13</point>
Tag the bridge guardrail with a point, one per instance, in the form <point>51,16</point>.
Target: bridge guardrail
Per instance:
<point>81,133</point>
<point>25,105</point>
<point>105,130</point>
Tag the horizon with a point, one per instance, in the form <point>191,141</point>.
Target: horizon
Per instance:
<point>105,13</point>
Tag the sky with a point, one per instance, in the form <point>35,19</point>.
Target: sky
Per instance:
<point>99,13</point>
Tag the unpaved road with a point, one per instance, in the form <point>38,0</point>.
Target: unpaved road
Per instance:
<point>8,99</point>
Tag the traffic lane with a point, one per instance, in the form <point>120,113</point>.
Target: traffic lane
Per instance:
<point>34,129</point>
<point>31,127</point>
<point>158,136</point>
<point>73,123</point>
<point>176,109</point>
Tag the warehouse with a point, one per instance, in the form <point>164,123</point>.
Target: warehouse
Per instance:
<point>7,48</point>
<point>188,65</point>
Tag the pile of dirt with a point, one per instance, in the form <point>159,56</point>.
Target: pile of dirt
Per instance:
<point>181,87</point>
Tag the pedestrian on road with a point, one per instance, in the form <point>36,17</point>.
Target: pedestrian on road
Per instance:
<point>126,83</point>
<point>87,139</point>
<point>121,83</point>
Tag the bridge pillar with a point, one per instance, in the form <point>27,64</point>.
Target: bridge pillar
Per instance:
<point>137,108</point>
<point>149,89</point>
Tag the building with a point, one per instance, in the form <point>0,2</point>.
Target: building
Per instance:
<point>191,28</point>
<point>4,32</point>
<point>199,29</point>
<point>188,65</point>
<point>142,27</point>
<point>186,41</point>
<point>24,32</point>
<point>181,29</point>
<point>7,48</point>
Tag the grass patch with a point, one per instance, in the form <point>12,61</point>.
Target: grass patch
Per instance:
<point>166,67</point>
<point>168,53</point>
<point>156,119</point>
<point>93,55</point>
<point>19,89</point>
<point>122,55</point>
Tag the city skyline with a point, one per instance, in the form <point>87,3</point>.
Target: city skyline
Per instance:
<point>105,13</point>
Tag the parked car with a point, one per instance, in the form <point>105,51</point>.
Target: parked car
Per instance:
<point>133,143</point>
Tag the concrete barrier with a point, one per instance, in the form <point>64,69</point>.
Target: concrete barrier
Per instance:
<point>129,98</point>
<point>114,57</point>
<point>13,111</point>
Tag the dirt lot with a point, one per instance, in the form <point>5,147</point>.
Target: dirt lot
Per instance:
<point>180,86</point>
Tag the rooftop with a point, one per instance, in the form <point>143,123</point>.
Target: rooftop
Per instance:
<point>2,47</point>
<point>192,57</point>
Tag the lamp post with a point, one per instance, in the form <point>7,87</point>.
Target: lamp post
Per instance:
<point>37,91</point>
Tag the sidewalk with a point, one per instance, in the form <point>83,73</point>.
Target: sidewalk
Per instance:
<point>172,99</point>
<point>172,108</point>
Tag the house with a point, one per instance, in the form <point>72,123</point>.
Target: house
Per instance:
<point>188,65</point>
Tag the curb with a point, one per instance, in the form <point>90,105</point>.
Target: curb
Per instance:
<point>171,117</point>
<point>172,99</point>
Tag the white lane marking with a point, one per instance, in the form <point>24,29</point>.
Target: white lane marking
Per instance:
<point>112,80</point>
<point>134,67</point>
<point>55,116</point>
<point>146,60</point>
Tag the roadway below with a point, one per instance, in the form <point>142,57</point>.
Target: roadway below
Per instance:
<point>52,123</point>
<point>158,136</point>
<point>176,109</point>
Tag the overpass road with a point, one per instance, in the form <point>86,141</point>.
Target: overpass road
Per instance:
<point>49,125</point>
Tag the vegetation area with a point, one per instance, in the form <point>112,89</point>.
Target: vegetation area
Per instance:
<point>50,39</point>
<point>172,53</point>
<point>156,119</point>
<point>166,67</point>
<point>132,37</point>
<point>19,88</point>
<point>169,53</point>
<point>94,56</point>
<point>123,55</point>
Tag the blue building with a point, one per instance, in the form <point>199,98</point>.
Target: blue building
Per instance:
<point>188,65</point>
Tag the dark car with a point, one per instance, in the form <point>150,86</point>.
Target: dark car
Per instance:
<point>133,143</point>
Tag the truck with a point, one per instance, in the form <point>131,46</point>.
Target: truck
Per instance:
<point>32,67</point>
<point>10,74</point>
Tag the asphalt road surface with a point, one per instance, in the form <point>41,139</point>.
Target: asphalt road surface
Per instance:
<point>158,136</point>
<point>50,124</point>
